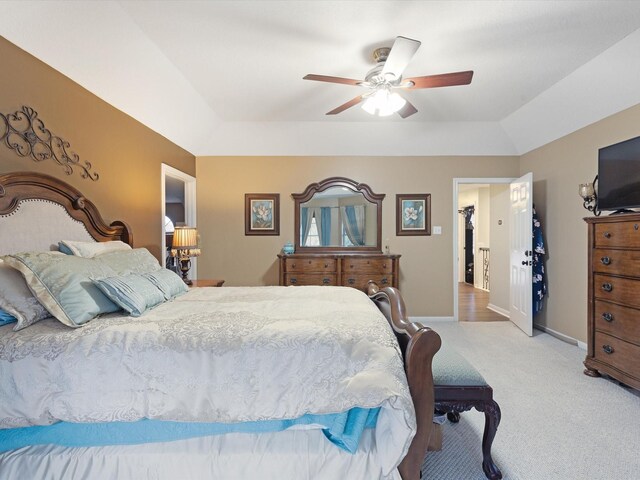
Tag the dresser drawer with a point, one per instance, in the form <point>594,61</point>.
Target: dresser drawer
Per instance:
<point>615,289</point>
<point>307,264</point>
<point>617,234</point>
<point>616,320</point>
<point>618,353</point>
<point>310,279</point>
<point>361,282</point>
<point>367,265</point>
<point>616,262</point>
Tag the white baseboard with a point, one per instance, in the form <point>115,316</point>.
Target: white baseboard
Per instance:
<point>561,336</point>
<point>499,310</point>
<point>431,319</point>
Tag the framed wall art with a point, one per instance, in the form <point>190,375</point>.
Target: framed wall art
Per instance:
<point>413,214</point>
<point>262,214</point>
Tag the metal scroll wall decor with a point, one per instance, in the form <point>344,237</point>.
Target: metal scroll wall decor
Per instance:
<point>25,133</point>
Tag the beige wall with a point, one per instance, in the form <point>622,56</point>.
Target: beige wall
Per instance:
<point>125,153</point>
<point>499,245</point>
<point>426,266</point>
<point>557,169</point>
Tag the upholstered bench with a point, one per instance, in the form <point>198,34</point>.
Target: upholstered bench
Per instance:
<point>458,388</point>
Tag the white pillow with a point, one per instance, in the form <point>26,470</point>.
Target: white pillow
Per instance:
<point>91,249</point>
<point>16,299</point>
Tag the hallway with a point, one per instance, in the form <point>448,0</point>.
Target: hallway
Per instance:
<point>472,305</point>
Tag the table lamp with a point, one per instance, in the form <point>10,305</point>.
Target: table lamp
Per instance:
<point>185,246</point>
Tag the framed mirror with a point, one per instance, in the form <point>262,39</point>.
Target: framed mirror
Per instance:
<point>338,215</point>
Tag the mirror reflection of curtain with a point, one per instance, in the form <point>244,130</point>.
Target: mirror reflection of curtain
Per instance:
<point>323,223</point>
<point>353,221</point>
<point>305,224</point>
<point>324,226</point>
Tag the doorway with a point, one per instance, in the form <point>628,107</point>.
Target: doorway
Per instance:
<point>481,249</point>
<point>178,191</point>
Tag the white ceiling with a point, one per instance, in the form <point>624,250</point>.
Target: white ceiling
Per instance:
<point>225,77</point>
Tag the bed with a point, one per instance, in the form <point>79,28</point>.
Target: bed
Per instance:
<point>255,382</point>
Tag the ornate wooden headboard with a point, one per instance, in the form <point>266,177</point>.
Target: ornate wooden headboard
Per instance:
<point>37,211</point>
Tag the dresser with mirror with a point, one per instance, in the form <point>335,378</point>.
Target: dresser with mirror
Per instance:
<point>338,238</point>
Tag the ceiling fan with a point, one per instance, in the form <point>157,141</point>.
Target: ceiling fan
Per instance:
<point>386,76</point>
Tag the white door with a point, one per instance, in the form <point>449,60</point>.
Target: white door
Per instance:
<point>521,260</point>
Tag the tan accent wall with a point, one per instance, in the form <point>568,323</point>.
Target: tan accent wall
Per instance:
<point>125,153</point>
<point>426,266</point>
<point>558,168</point>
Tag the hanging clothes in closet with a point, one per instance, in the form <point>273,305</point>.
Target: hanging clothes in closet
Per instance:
<point>537,274</point>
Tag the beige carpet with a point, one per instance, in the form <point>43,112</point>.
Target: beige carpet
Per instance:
<point>556,422</point>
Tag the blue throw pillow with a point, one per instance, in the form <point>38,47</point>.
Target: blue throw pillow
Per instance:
<point>169,283</point>
<point>133,292</point>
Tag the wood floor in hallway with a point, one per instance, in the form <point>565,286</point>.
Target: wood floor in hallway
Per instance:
<point>472,305</point>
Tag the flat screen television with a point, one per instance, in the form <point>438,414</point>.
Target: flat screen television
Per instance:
<point>619,176</point>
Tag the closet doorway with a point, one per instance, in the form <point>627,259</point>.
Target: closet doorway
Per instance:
<point>481,249</point>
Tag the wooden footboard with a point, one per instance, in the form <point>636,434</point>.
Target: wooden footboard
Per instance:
<point>418,344</point>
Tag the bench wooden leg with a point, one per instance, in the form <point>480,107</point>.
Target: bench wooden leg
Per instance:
<point>492,417</point>
<point>491,421</point>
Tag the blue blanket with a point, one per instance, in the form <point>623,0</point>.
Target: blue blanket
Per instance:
<point>342,429</point>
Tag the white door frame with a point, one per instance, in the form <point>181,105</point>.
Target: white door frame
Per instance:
<point>456,184</point>
<point>189,206</point>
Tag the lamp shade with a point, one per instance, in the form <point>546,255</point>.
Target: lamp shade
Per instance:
<point>185,237</point>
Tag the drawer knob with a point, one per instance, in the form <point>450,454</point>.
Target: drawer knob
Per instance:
<point>607,235</point>
<point>293,281</point>
<point>384,265</point>
<point>326,281</point>
<point>607,287</point>
<point>351,281</point>
<point>384,281</point>
<point>326,265</point>
<point>293,265</point>
<point>605,260</point>
<point>607,317</point>
<point>608,349</point>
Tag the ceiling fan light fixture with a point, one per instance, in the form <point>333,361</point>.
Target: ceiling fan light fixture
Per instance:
<point>383,103</point>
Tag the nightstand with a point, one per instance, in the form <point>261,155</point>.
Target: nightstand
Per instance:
<point>206,283</point>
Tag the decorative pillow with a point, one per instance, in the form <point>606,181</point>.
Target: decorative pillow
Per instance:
<point>6,318</point>
<point>62,283</point>
<point>17,300</point>
<point>169,283</point>
<point>91,249</point>
<point>132,292</point>
<point>124,262</point>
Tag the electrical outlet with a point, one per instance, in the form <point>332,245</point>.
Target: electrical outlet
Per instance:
<point>437,230</point>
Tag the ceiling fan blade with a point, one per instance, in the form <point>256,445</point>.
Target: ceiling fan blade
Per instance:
<point>400,55</point>
<point>325,78</point>
<point>407,110</point>
<point>442,80</point>
<point>344,106</point>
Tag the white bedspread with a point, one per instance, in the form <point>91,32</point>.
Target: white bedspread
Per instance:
<point>214,354</point>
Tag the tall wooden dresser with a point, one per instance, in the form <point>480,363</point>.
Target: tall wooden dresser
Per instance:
<point>614,298</point>
<point>350,270</point>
